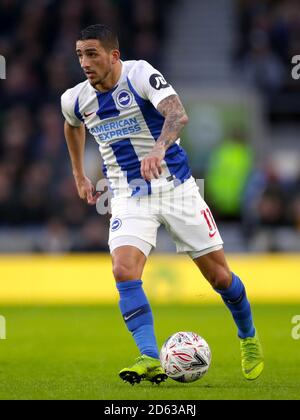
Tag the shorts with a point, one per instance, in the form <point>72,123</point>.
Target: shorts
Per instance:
<point>183,212</point>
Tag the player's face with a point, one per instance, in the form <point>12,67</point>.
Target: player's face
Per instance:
<point>96,61</point>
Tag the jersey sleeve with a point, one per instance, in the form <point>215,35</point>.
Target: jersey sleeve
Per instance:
<point>149,83</point>
<point>68,109</point>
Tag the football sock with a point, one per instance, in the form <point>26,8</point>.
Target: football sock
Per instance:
<point>235,299</point>
<point>138,317</point>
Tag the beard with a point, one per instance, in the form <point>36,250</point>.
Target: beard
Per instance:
<point>101,79</point>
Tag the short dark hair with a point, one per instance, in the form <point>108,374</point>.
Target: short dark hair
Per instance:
<point>107,37</point>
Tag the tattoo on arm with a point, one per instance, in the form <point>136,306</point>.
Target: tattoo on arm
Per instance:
<point>175,119</point>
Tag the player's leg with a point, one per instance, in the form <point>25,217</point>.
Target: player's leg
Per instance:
<point>128,266</point>
<point>133,233</point>
<point>195,232</point>
<point>128,263</point>
<point>229,286</point>
<point>215,269</point>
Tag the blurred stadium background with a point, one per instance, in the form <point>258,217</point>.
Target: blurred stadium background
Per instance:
<point>231,63</point>
<point>230,60</point>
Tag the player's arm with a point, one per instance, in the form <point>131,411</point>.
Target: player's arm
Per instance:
<point>75,138</point>
<point>175,119</point>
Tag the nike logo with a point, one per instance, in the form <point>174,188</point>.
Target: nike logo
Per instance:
<point>126,318</point>
<point>211,235</point>
<point>88,115</point>
<point>237,301</point>
<point>251,370</point>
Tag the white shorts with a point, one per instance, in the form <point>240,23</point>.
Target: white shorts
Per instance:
<point>183,212</point>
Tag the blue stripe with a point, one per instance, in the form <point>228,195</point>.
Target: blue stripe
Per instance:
<point>177,162</point>
<point>153,118</point>
<point>104,170</point>
<point>129,163</point>
<point>176,158</point>
<point>107,106</point>
<point>77,111</point>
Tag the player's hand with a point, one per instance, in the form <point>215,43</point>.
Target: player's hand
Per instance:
<point>86,190</point>
<point>151,164</point>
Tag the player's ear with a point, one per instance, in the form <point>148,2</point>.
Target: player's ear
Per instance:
<point>115,54</point>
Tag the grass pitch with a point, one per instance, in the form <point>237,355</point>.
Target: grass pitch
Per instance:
<point>71,352</point>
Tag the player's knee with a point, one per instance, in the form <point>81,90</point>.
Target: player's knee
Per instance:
<point>220,278</point>
<point>123,272</point>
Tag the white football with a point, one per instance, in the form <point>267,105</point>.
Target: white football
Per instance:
<point>185,357</point>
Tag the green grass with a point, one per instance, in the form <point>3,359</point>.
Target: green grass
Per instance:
<point>76,353</point>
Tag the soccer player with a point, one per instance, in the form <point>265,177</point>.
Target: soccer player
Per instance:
<point>136,118</point>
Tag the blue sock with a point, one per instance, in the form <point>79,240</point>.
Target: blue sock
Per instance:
<point>235,299</point>
<point>138,317</point>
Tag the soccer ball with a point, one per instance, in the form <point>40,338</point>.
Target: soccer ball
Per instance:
<point>185,357</point>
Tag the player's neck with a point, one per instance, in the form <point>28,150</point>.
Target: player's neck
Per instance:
<point>112,79</point>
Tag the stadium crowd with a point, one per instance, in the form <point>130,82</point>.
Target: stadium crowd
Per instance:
<point>269,36</point>
<point>37,39</point>
<point>37,191</point>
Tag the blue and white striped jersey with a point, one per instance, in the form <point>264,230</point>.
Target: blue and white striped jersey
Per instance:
<point>126,124</point>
